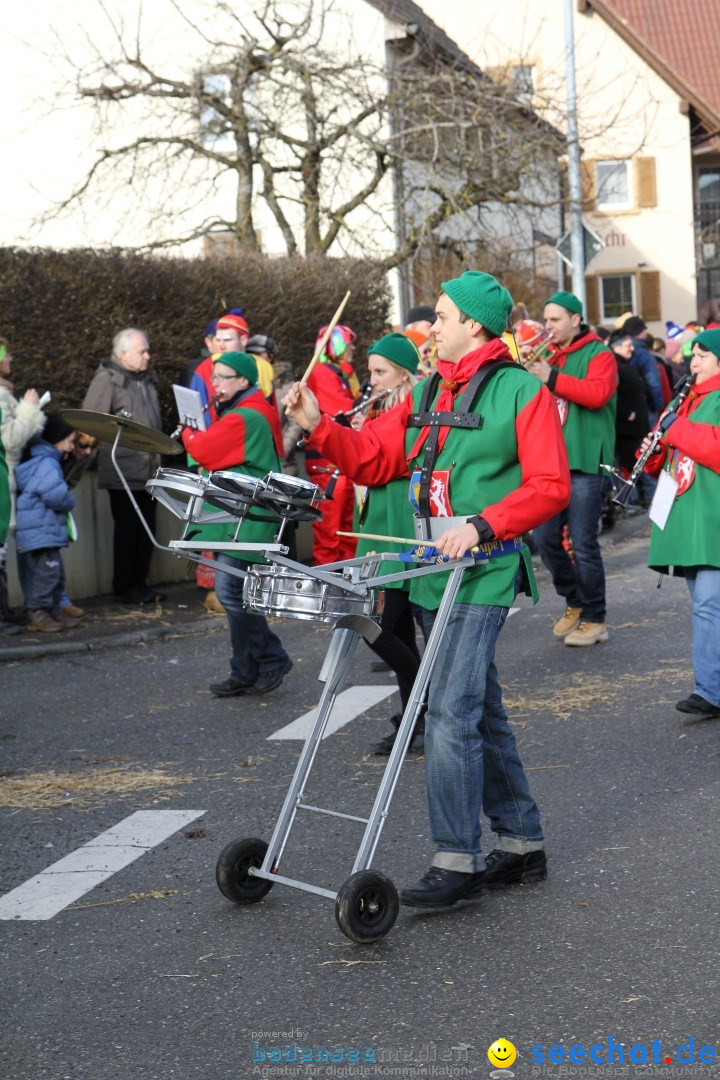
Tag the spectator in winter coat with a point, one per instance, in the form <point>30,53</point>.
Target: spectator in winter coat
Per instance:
<point>43,504</point>
<point>126,382</point>
<point>644,361</point>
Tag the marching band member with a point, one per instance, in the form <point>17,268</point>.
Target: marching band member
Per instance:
<point>385,510</point>
<point>335,386</point>
<point>582,375</point>
<point>489,472</point>
<point>241,439</point>
<point>688,464</point>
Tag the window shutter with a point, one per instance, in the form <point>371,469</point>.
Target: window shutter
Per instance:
<point>645,182</point>
<point>650,295</point>
<point>587,180</point>
<point>592,295</point>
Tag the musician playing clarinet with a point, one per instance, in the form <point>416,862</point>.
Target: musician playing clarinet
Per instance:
<point>687,461</point>
<point>483,438</point>
<point>385,510</point>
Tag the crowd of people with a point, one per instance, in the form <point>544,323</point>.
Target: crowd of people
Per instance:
<point>474,423</point>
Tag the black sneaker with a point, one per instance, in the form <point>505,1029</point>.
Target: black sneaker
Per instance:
<point>271,679</point>
<point>507,868</point>
<point>700,707</point>
<point>229,688</point>
<point>439,888</point>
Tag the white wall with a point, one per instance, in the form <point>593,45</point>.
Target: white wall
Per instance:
<point>624,108</point>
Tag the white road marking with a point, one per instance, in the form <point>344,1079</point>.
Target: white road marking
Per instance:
<point>513,611</point>
<point>44,895</point>
<point>347,706</point>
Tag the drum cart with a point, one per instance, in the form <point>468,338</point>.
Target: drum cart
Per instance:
<point>341,594</point>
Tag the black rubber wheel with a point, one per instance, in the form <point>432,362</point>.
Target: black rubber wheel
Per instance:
<point>231,872</point>
<point>367,906</point>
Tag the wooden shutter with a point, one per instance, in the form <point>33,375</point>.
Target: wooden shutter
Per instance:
<point>650,295</point>
<point>588,183</point>
<point>645,182</point>
<point>593,315</point>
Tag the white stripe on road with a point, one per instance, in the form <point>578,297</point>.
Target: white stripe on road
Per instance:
<point>513,611</point>
<point>44,895</point>
<point>347,706</point>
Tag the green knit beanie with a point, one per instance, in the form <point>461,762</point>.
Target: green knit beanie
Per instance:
<point>567,300</point>
<point>710,340</point>
<point>398,350</point>
<point>240,362</point>
<point>481,297</point>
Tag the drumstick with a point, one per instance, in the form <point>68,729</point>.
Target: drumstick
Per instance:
<point>324,340</point>
<point>395,539</point>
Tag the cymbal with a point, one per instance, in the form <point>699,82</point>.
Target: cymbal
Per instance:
<point>134,436</point>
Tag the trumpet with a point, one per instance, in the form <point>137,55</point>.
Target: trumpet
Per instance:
<point>542,350</point>
<point>627,483</point>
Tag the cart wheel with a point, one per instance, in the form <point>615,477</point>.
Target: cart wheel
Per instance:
<point>367,906</point>
<point>231,872</point>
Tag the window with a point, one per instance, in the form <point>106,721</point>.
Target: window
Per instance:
<point>523,82</point>
<point>213,125</point>
<point>614,188</point>
<point>617,295</point>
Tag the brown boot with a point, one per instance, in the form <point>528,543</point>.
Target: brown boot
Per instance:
<point>588,633</point>
<point>73,611</point>
<point>211,603</point>
<point>42,620</point>
<point>66,621</point>
<point>569,622</point>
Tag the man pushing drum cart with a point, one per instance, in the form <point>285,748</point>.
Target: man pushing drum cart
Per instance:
<point>485,435</point>
<point>481,440</point>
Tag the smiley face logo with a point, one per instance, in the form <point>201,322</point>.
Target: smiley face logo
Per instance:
<point>501,1054</point>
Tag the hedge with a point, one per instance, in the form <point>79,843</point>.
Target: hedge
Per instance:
<point>59,310</point>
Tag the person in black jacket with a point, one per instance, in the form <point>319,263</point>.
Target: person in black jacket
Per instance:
<point>631,418</point>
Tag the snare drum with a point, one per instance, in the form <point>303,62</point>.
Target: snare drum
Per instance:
<point>288,594</point>
<point>233,492</point>
<point>181,492</point>
<point>291,497</point>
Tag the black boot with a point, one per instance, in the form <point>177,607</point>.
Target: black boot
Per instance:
<point>417,743</point>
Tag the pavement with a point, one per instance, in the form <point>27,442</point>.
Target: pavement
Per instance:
<point>108,623</point>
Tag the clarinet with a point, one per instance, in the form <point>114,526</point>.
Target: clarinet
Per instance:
<point>627,483</point>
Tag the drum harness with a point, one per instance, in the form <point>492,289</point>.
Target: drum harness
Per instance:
<point>460,417</point>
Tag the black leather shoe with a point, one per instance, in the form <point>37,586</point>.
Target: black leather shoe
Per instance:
<point>417,743</point>
<point>506,868</point>
<point>700,707</point>
<point>229,688</point>
<point>439,888</point>
<point>270,680</point>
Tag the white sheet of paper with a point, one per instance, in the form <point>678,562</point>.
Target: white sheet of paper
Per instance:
<point>189,407</point>
<point>663,499</point>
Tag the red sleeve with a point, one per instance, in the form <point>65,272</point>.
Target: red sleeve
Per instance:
<point>372,456</point>
<point>331,392</point>
<point>220,447</point>
<point>701,442</point>
<point>545,487</point>
<point>598,386</point>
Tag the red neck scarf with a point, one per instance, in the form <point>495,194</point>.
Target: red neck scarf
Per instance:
<point>455,378</point>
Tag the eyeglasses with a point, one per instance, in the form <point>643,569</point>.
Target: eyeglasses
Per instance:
<point>221,378</point>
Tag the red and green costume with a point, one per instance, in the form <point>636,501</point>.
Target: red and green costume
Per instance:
<point>331,387</point>
<point>690,452</point>
<point>511,470</point>
<point>240,440</point>
<point>584,380</point>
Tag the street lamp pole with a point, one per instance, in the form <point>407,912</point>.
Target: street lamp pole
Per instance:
<point>577,252</point>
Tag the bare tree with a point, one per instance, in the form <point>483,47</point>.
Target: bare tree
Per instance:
<point>337,148</point>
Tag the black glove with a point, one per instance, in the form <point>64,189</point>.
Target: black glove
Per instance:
<point>482,528</point>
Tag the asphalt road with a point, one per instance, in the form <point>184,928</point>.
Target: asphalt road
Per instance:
<point>155,974</point>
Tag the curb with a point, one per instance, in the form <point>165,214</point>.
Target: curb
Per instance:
<point>134,637</point>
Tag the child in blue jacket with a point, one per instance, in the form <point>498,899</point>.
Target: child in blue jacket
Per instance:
<point>43,504</point>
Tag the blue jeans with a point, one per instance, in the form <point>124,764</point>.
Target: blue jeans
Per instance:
<point>255,647</point>
<point>471,761</point>
<point>704,585</point>
<point>45,579</point>
<point>581,583</point>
